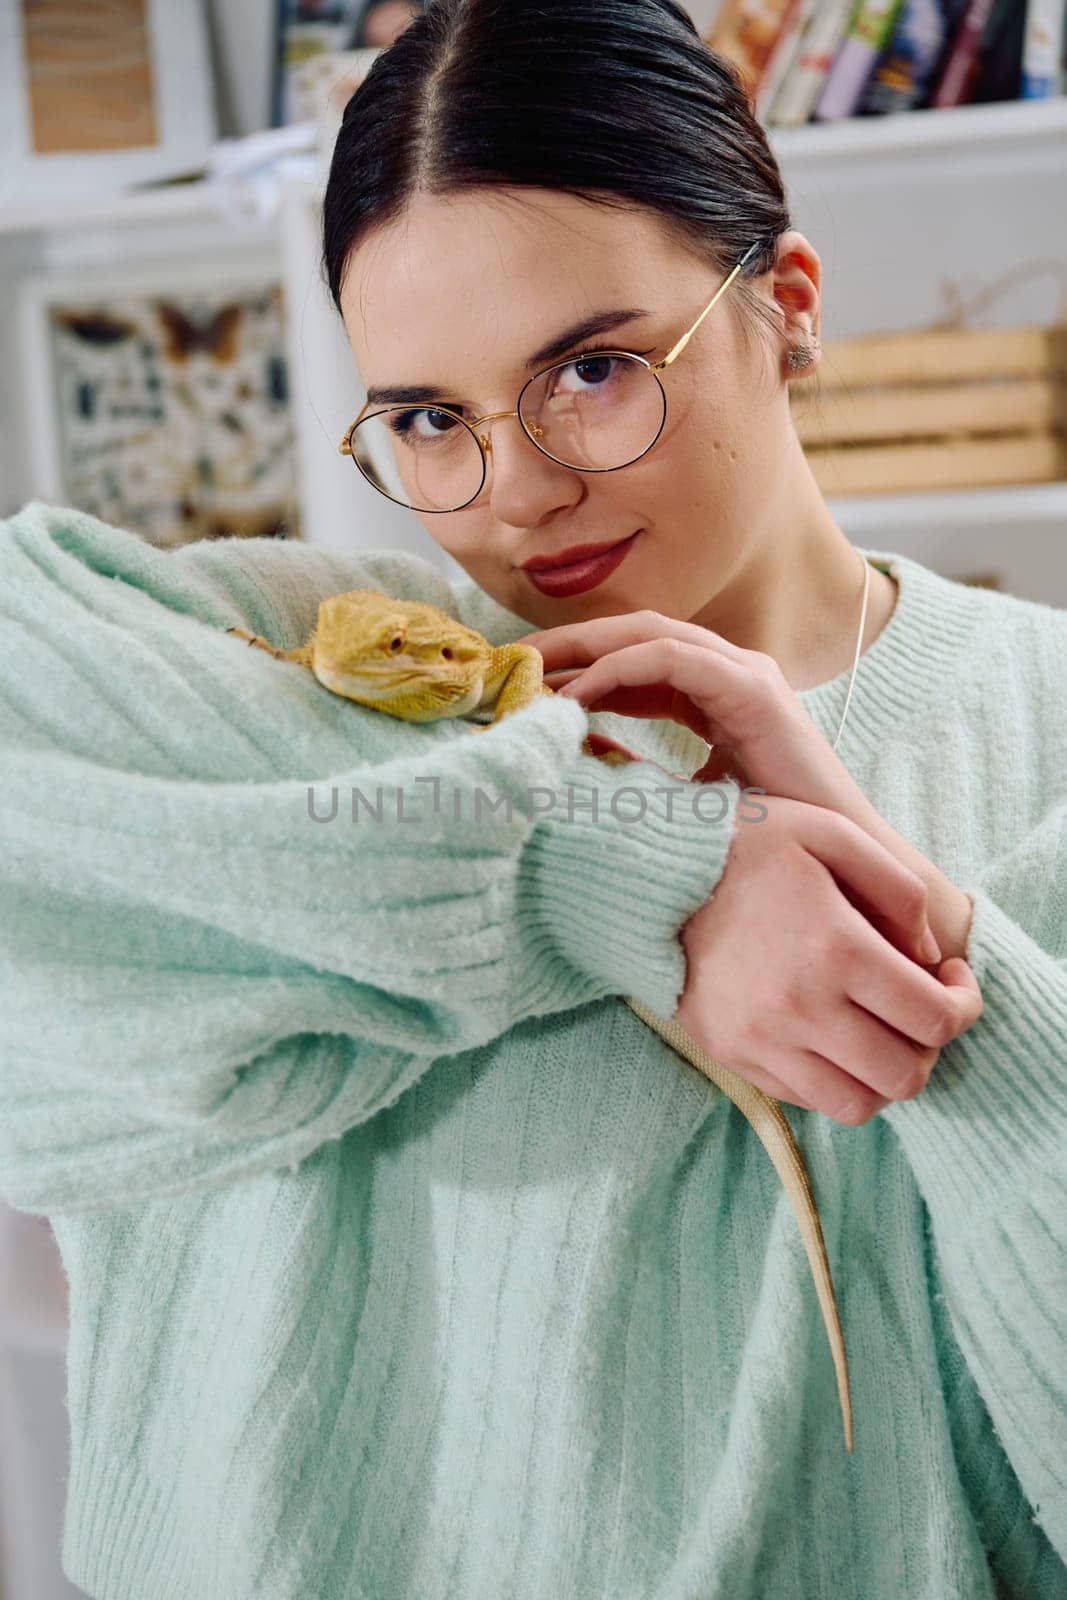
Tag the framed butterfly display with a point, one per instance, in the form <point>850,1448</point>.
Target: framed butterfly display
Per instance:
<point>160,402</point>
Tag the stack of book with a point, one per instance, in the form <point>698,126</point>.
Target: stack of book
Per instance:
<point>966,408</point>
<point>821,60</point>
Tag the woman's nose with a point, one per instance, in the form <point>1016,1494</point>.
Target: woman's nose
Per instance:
<point>524,484</point>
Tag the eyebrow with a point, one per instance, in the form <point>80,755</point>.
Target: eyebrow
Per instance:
<point>588,328</point>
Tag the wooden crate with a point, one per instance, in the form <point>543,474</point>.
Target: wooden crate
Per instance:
<point>939,409</point>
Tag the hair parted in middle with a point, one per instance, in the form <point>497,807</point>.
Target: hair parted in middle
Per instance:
<point>619,102</point>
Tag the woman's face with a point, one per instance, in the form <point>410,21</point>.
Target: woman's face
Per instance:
<point>460,294</point>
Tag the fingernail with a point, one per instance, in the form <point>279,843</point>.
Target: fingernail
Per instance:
<point>930,947</point>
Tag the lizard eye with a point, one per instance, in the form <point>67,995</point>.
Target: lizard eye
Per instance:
<point>446,652</point>
<point>396,642</point>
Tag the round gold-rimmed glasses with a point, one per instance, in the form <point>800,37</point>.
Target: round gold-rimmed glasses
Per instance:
<point>595,412</point>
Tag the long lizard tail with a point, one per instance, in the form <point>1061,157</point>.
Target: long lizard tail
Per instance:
<point>769,1121</point>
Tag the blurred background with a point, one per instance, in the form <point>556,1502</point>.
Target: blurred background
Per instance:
<point>172,364</point>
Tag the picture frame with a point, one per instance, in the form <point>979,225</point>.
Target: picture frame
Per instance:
<point>126,98</point>
<point>158,398</point>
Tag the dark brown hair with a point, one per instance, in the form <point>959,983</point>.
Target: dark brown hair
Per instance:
<point>619,102</point>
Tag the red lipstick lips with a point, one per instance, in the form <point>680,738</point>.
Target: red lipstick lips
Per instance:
<point>567,558</point>
<point>581,567</point>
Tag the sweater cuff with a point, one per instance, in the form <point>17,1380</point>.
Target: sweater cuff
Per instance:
<point>615,869</point>
<point>992,1119</point>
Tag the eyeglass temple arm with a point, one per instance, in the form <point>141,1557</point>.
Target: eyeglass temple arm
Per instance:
<point>721,290</point>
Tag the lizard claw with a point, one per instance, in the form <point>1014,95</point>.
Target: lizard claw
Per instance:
<point>608,750</point>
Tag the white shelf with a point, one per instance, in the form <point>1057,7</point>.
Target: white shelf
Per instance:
<point>966,133</point>
<point>1019,130</point>
<point>232,202</point>
<point>1017,532</point>
<point>1022,508</point>
<point>185,201</point>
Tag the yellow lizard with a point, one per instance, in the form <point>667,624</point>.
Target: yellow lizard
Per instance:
<point>413,661</point>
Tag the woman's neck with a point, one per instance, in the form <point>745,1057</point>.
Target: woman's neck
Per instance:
<point>802,606</point>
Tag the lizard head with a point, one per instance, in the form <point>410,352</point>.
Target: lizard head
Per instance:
<point>405,657</point>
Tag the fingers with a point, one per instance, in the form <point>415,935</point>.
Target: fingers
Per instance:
<point>927,1008</point>
<point>655,701</point>
<point>958,975</point>
<point>735,700</point>
<point>578,643</point>
<point>652,701</point>
<point>894,894</point>
<point>838,1094</point>
<point>775,1087</point>
<point>961,982</point>
<point>683,663</point>
<point>840,1060</point>
<point>861,1065</point>
<point>814,1082</point>
<point>842,1080</point>
<point>648,700</point>
<point>870,1055</point>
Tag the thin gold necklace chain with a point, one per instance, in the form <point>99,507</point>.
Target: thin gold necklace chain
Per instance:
<point>859,642</point>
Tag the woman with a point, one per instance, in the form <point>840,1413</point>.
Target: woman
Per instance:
<point>405,1261</point>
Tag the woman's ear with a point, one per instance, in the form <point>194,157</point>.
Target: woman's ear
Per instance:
<point>795,288</point>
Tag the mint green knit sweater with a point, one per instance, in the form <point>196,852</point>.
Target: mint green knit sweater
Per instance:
<point>405,1262</point>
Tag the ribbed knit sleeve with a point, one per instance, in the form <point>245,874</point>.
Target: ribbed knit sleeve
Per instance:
<point>239,915</point>
<point>987,1140</point>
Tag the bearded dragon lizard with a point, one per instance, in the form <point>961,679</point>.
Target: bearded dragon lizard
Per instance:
<point>415,662</point>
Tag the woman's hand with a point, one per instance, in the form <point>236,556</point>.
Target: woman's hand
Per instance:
<point>798,969</point>
<point>643,664</point>
<point>790,986</point>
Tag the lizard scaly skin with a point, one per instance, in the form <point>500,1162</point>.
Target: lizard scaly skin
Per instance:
<point>413,661</point>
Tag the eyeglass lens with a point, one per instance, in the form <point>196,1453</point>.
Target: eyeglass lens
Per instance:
<point>595,413</point>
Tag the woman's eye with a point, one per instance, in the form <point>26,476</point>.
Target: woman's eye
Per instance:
<point>415,426</point>
<point>594,370</point>
<point>591,370</point>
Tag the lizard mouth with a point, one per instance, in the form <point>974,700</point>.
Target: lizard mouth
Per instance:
<point>399,667</point>
<point>386,672</point>
<point>389,681</point>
